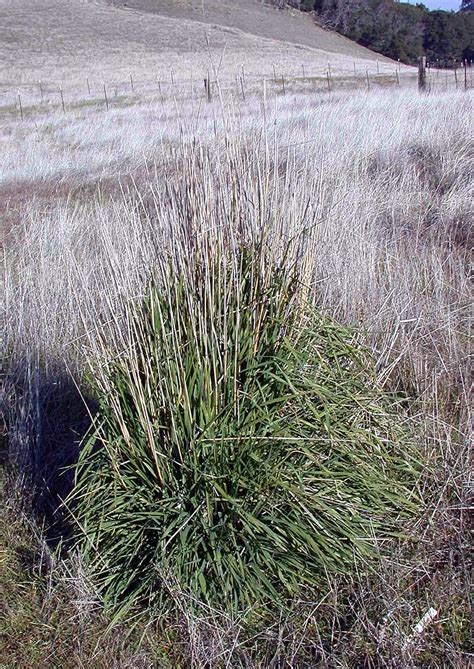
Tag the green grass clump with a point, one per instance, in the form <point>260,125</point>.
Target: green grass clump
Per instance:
<point>240,451</point>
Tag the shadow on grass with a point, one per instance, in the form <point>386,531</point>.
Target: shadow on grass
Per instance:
<point>46,417</point>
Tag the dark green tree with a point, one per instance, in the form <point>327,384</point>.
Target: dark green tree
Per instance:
<point>445,36</point>
<point>402,30</point>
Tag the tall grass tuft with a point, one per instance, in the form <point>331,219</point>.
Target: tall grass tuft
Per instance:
<point>241,450</point>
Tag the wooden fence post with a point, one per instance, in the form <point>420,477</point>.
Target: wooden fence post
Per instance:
<point>105,98</point>
<point>264,98</point>
<point>465,75</point>
<point>398,78</point>
<point>368,80</point>
<point>41,89</point>
<point>242,86</point>
<point>422,73</point>
<point>20,105</point>
<point>88,86</point>
<point>329,82</point>
<point>242,81</point>
<point>207,87</point>
<point>62,98</point>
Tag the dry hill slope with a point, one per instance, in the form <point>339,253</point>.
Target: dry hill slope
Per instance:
<point>64,42</point>
<point>255,18</point>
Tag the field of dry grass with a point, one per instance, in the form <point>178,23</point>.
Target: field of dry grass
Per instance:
<point>65,42</point>
<point>384,185</point>
<point>378,187</point>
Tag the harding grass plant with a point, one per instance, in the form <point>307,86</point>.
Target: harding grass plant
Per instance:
<point>383,181</point>
<point>241,449</point>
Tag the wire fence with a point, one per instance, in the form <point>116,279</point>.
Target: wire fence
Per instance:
<point>43,96</point>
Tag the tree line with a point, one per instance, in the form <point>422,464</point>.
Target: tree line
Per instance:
<point>400,30</point>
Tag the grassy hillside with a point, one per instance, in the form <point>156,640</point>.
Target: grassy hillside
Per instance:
<point>65,42</point>
<point>252,17</point>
